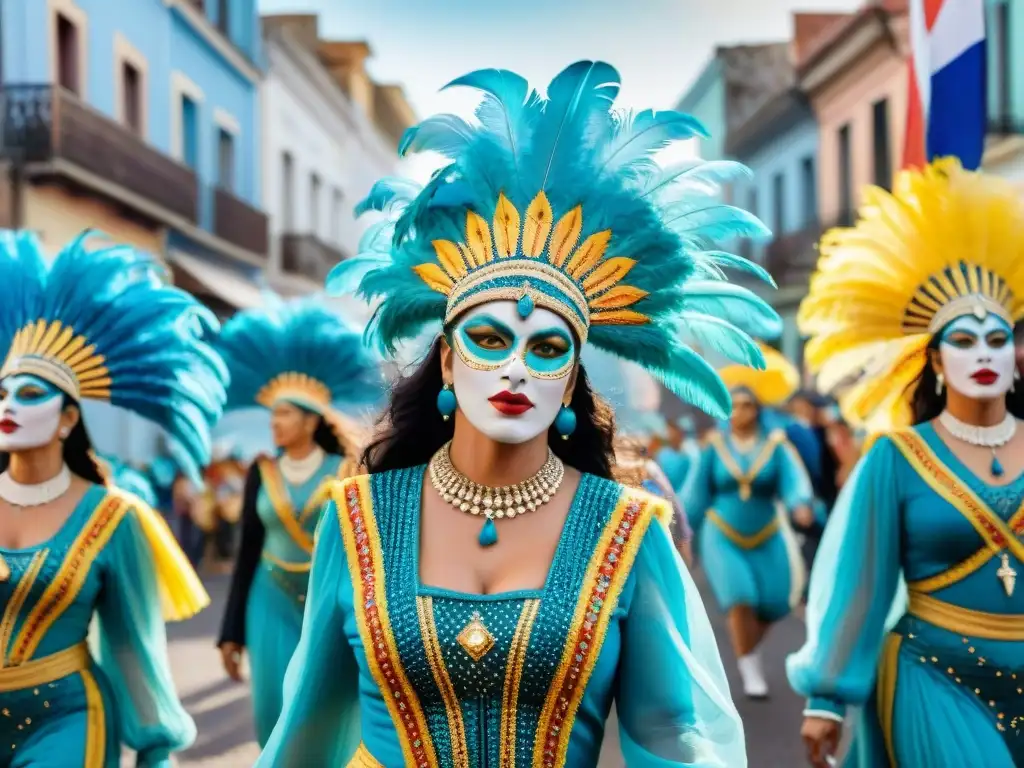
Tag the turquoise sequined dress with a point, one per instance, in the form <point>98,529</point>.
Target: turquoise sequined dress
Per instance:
<point>268,591</point>
<point>60,703</point>
<point>748,553</point>
<point>391,673</point>
<point>944,687</point>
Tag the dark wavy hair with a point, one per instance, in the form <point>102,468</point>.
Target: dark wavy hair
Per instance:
<point>927,404</point>
<point>77,449</point>
<point>323,435</point>
<point>411,430</point>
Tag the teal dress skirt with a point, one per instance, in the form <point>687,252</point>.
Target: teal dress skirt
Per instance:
<point>943,686</point>
<point>746,545</point>
<point>268,589</point>
<point>393,673</point>
<point>69,697</point>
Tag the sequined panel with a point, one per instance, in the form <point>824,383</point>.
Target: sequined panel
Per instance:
<point>366,562</point>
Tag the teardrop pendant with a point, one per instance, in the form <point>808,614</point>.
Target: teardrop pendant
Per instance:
<point>997,468</point>
<point>488,534</point>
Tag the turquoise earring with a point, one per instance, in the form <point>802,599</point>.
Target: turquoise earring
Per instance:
<point>446,402</point>
<point>565,421</point>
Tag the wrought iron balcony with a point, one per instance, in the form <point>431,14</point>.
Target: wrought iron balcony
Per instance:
<point>239,223</point>
<point>54,134</point>
<point>309,256</point>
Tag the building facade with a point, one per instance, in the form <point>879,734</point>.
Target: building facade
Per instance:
<point>140,119</point>
<point>323,149</point>
<point>1004,151</point>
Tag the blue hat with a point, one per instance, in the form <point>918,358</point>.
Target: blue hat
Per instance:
<point>556,202</point>
<point>104,325</point>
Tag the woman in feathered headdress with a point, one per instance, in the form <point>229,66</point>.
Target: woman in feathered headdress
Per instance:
<point>94,325</point>
<point>920,300</point>
<point>483,592</point>
<point>299,361</point>
<point>748,552</point>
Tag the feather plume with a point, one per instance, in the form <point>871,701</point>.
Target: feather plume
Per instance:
<point>636,137</point>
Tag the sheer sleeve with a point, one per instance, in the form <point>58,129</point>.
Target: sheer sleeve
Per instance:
<point>794,482</point>
<point>697,494</point>
<point>673,699</point>
<point>320,724</point>
<point>854,588</point>
<point>249,552</point>
<point>131,650</point>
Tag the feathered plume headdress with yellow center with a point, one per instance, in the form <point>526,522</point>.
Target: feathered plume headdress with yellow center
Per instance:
<point>945,243</point>
<point>772,386</point>
<point>556,202</point>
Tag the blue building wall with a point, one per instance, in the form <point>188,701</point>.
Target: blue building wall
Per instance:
<point>705,100</point>
<point>171,44</point>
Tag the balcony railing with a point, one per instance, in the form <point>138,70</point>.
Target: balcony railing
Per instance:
<point>791,257</point>
<point>238,222</point>
<point>309,256</point>
<point>44,124</point>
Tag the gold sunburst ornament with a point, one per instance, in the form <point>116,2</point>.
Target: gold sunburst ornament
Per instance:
<point>55,353</point>
<point>945,243</point>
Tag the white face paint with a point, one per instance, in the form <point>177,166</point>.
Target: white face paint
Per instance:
<point>511,372</point>
<point>978,357</point>
<point>30,410</point>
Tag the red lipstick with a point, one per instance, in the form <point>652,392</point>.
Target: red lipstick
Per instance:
<point>510,404</point>
<point>985,377</point>
<point>9,426</point>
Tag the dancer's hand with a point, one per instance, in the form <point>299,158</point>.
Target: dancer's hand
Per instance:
<point>821,737</point>
<point>231,657</point>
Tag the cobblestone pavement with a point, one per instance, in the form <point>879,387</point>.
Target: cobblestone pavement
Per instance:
<point>222,708</point>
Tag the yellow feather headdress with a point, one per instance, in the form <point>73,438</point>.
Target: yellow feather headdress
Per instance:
<point>945,243</point>
<point>772,386</point>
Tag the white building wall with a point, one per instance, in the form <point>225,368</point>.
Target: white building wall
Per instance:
<point>308,116</point>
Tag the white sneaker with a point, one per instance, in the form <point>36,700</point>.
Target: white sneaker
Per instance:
<point>752,675</point>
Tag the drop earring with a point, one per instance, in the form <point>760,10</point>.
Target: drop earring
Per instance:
<point>446,402</point>
<point>940,384</point>
<point>565,421</point>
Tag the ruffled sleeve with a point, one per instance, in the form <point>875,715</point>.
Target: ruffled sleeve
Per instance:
<point>698,490</point>
<point>132,649</point>
<point>673,699</point>
<point>853,588</point>
<point>319,724</point>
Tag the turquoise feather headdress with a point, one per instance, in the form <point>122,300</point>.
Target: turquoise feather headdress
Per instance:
<point>557,202</point>
<point>298,351</point>
<point>102,325</point>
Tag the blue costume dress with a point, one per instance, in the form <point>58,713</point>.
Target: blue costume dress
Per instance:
<point>944,687</point>
<point>268,591</point>
<point>747,551</point>
<point>393,673</point>
<point>60,703</point>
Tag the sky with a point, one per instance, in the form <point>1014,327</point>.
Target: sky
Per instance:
<point>658,46</point>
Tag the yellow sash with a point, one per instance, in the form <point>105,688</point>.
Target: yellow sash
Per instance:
<point>994,532</point>
<point>745,479</point>
<point>753,541</point>
<point>964,621</point>
<point>37,672</point>
<point>280,499</point>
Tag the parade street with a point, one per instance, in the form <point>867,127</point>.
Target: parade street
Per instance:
<point>222,711</point>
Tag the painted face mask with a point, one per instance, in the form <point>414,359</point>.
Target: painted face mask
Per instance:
<point>510,371</point>
<point>30,410</point>
<point>978,357</point>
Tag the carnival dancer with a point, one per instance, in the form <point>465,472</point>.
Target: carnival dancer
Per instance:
<point>95,324</point>
<point>299,361</point>
<point>486,592</point>
<point>747,549</point>
<point>922,296</point>
<point>680,452</point>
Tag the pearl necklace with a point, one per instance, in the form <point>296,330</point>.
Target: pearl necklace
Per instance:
<point>298,471</point>
<point>34,494</point>
<point>992,437</point>
<point>494,503</point>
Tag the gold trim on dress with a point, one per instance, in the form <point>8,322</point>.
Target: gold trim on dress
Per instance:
<point>996,534</point>
<point>17,601</point>
<point>46,669</point>
<point>745,479</point>
<point>363,759</point>
<point>68,581</point>
<point>354,502</point>
<point>964,621</point>
<point>281,501</point>
<point>513,679</point>
<point>888,671</point>
<point>96,723</point>
<point>742,540</point>
<point>606,575</point>
<point>452,708</point>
